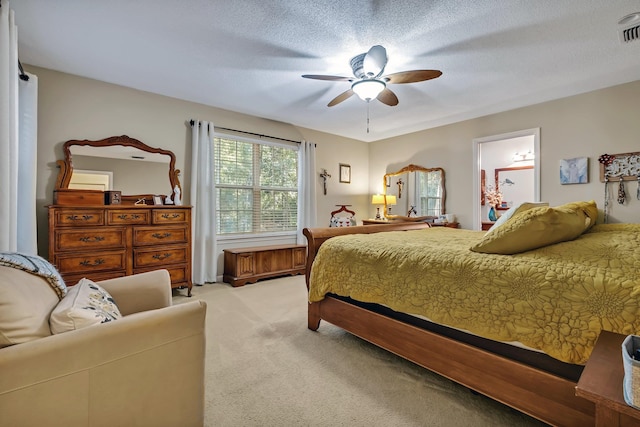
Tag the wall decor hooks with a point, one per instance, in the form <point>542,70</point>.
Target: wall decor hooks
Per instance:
<point>625,166</point>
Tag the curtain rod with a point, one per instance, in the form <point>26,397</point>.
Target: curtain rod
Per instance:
<point>251,133</point>
<point>23,75</point>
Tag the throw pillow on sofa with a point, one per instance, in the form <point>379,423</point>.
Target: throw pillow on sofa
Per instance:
<point>26,301</point>
<point>85,304</point>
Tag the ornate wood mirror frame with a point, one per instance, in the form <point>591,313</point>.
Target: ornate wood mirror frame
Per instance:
<point>66,164</point>
<point>401,193</point>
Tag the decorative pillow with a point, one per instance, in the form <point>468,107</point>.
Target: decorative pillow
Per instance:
<point>516,209</point>
<point>26,301</point>
<point>538,227</point>
<point>86,304</point>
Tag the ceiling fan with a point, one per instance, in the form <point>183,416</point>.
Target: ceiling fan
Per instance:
<point>369,83</point>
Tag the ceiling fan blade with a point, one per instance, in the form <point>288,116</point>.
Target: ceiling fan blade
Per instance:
<point>374,61</point>
<point>412,76</point>
<point>388,97</point>
<point>342,97</point>
<point>332,78</point>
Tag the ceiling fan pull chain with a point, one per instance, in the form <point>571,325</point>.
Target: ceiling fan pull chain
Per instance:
<point>368,116</point>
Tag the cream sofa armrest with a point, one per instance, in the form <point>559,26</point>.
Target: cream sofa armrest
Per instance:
<point>140,292</point>
<point>145,369</point>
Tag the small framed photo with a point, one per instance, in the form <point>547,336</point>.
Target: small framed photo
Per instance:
<point>345,173</point>
<point>157,200</point>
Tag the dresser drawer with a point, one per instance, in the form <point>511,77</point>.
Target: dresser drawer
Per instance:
<point>143,236</point>
<point>169,216</point>
<point>73,239</point>
<point>71,279</point>
<point>90,262</point>
<point>160,257</point>
<point>79,217</point>
<point>128,217</point>
<point>178,273</point>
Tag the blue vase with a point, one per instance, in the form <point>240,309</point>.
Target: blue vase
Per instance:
<point>492,214</point>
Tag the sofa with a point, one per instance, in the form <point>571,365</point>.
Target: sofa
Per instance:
<point>144,369</point>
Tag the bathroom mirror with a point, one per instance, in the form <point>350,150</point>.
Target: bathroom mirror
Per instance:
<point>137,170</point>
<point>419,193</point>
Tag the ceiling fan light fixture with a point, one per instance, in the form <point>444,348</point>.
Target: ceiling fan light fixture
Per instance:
<point>368,89</point>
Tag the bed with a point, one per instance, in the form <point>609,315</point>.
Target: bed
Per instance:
<point>535,375</point>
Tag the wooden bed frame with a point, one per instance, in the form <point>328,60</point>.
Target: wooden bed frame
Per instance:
<point>547,397</point>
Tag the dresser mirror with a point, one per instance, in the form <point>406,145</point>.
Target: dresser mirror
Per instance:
<point>419,193</point>
<point>118,163</point>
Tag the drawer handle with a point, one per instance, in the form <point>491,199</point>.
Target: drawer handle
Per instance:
<point>160,257</point>
<point>79,218</point>
<point>161,236</point>
<point>87,239</point>
<point>172,216</point>
<point>125,216</point>
<point>87,263</point>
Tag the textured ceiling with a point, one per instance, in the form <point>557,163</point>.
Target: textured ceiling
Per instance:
<point>248,55</point>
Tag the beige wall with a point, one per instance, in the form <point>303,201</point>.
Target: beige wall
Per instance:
<point>72,107</point>
<point>604,121</point>
<point>587,125</point>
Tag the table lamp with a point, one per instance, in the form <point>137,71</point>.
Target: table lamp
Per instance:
<point>391,201</point>
<point>377,199</point>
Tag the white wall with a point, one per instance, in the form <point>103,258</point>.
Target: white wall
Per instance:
<point>586,125</point>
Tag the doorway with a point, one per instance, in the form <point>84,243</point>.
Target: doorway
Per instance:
<point>505,155</point>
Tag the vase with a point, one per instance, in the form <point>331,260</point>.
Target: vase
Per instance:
<point>492,214</point>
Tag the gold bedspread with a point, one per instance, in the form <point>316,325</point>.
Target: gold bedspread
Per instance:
<point>555,299</point>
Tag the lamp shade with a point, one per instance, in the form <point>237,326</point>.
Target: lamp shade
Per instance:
<point>377,199</point>
<point>391,199</point>
<point>368,89</point>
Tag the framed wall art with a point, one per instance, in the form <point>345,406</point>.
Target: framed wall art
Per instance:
<point>345,173</point>
<point>574,171</point>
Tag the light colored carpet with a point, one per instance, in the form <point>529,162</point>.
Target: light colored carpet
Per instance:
<point>265,368</point>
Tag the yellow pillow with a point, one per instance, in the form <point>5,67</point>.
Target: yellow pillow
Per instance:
<point>521,207</point>
<point>538,227</point>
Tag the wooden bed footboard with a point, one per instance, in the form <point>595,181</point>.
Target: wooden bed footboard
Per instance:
<point>542,395</point>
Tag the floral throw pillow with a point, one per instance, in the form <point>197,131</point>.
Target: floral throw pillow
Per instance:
<point>85,304</point>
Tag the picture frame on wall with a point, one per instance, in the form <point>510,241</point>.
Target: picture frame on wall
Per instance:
<point>345,173</point>
<point>574,171</point>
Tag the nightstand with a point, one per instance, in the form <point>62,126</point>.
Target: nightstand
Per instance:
<point>486,225</point>
<point>601,383</point>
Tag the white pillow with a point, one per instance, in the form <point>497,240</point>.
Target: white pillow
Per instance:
<point>85,304</point>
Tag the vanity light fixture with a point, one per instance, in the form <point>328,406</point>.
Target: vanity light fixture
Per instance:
<point>523,157</point>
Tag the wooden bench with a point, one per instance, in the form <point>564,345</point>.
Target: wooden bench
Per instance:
<point>248,265</point>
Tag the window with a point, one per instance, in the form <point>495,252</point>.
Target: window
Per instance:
<point>431,197</point>
<point>257,187</point>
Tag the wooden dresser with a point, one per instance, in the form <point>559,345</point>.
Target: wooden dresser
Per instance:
<point>383,221</point>
<point>104,242</point>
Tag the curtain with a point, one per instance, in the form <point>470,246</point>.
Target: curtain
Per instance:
<point>17,127</point>
<point>203,200</point>
<point>306,188</point>
<point>27,165</point>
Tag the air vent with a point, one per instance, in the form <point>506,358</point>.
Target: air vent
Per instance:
<point>630,34</point>
<point>631,28</point>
